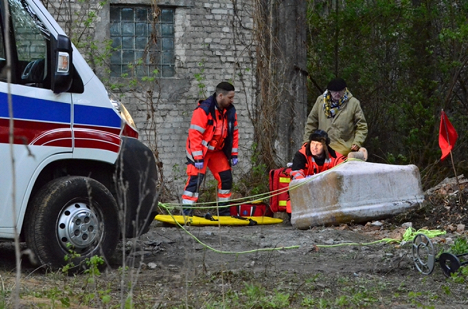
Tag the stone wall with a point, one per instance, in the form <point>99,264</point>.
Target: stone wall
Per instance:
<point>213,43</point>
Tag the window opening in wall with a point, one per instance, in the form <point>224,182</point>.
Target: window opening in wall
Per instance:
<point>139,36</point>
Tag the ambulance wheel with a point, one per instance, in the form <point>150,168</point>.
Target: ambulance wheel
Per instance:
<point>70,220</point>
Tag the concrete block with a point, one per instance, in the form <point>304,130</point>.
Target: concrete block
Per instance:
<point>354,191</point>
<point>219,11</point>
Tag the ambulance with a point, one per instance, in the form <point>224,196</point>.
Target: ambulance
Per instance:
<point>74,178</point>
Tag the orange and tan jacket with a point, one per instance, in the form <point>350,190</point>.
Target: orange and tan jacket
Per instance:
<point>206,119</point>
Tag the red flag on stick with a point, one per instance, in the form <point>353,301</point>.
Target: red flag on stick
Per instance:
<point>447,135</point>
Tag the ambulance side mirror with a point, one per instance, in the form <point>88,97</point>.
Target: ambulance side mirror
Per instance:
<point>61,62</point>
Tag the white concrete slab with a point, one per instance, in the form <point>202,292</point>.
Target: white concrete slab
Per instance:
<point>354,191</point>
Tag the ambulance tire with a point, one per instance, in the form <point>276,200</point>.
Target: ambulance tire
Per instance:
<point>72,218</point>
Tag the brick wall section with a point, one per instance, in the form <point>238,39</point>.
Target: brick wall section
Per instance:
<point>205,40</point>
<point>207,37</point>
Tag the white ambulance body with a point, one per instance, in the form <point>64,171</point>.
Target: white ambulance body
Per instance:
<point>81,178</point>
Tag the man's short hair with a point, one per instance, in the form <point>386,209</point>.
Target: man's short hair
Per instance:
<point>224,87</point>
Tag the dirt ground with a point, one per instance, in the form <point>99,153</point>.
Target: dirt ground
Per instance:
<point>270,266</point>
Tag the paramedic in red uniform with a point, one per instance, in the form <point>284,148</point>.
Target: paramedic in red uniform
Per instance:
<point>212,142</point>
<point>314,157</point>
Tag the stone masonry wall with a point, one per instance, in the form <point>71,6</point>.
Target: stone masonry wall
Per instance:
<point>213,43</point>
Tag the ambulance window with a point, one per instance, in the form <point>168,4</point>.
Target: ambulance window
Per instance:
<point>32,40</point>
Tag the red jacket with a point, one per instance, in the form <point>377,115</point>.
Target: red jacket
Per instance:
<point>206,118</point>
<point>304,163</point>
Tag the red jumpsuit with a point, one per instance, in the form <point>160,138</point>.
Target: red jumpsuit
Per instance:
<point>214,139</point>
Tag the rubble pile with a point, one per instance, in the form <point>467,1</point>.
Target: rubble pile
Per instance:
<point>445,207</point>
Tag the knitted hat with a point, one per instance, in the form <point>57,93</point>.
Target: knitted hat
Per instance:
<point>319,136</point>
<point>336,84</point>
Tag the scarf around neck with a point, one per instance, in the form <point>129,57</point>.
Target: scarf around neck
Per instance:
<point>331,108</point>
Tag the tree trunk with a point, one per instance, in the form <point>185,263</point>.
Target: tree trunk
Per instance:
<point>292,110</point>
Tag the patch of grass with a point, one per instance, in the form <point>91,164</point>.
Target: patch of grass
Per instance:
<point>259,297</point>
<point>460,246</point>
<point>243,289</point>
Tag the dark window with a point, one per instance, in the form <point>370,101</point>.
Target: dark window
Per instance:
<point>140,40</point>
<point>31,40</point>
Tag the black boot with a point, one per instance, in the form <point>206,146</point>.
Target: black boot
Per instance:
<point>187,212</point>
<point>224,209</point>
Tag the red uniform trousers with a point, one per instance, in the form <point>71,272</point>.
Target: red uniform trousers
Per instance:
<point>219,166</point>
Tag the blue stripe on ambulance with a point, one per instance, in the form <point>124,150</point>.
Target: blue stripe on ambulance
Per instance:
<point>28,108</point>
<point>96,116</point>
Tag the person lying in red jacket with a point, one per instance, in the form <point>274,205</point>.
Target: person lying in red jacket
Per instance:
<point>315,156</point>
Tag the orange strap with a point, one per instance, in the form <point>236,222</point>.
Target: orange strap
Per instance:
<point>288,206</point>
